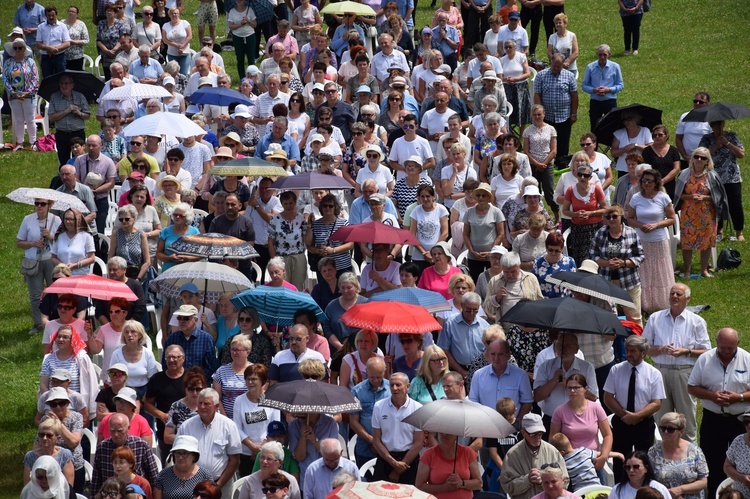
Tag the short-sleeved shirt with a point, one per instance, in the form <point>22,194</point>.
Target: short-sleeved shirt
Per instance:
<point>483,227</point>
<point>649,384</point>
<point>558,395</point>
<point>252,420</point>
<point>396,435</point>
<point>195,156</point>
<point>589,203</point>
<point>581,429</point>
<point>441,467</point>
<point>649,211</point>
<point>216,442</point>
<point>428,226</point>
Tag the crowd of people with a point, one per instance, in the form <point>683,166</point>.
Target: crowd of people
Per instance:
<point>460,152</point>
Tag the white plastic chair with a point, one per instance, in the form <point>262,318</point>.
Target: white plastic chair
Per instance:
<point>723,485</point>
<point>462,257</point>
<point>89,470</point>
<point>98,69</point>
<point>237,485</point>
<point>88,434</point>
<point>159,341</point>
<point>114,194</point>
<point>351,446</point>
<point>368,467</point>
<point>674,239</point>
<point>38,118</point>
<point>88,63</point>
<point>258,272</point>
<point>358,271</point>
<point>532,74</point>
<point>111,217</point>
<point>100,263</point>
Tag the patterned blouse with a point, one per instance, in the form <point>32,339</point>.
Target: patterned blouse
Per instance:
<point>110,35</point>
<point>539,140</point>
<point>541,268</point>
<point>129,247</point>
<point>178,414</point>
<point>114,149</point>
<point>485,146</point>
<point>353,160</point>
<point>526,345</point>
<point>78,31</point>
<point>725,164</point>
<point>289,236</point>
<point>21,76</point>
<point>248,135</point>
<point>676,472</point>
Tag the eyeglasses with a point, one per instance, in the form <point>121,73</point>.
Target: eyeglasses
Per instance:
<point>586,144</point>
<point>695,156</point>
<point>668,429</point>
<point>207,44</point>
<point>238,350</point>
<point>296,100</point>
<point>177,215</point>
<point>439,360</point>
<point>647,181</point>
<point>61,403</point>
<point>613,216</point>
<point>244,319</point>
<point>40,203</point>
<point>268,459</point>
<point>124,219</point>
<point>252,378</point>
<point>110,494</point>
<point>409,127</point>
<point>584,175</point>
<point>549,465</point>
<point>135,143</point>
<point>174,357</point>
<point>395,99</point>
<point>269,490</point>
<point>45,435</point>
<point>331,91</point>
<point>194,388</point>
<point>696,101</point>
<point>296,339</point>
<point>406,341</point>
<point>573,388</point>
<point>372,156</point>
<point>116,312</point>
<point>629,467</point>
<point>65,307</point>
<point>173,159</point>
<point>148,13</point>
<point>116,374</point>
<point>183,318</point>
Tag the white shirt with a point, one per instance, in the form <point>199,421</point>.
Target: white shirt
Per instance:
<point>558,396</point>
<point>692,132</point>
<point>710,374</point>
<point>386,417</point>
<point>381,62</point>
<point>547,354</point>
<point>435,122</point>
<point>216,442</point>
<point>382,176</point>
<point>687,330</point>
<point>519,35</point>
<point>390,274</point>
<point>192,84</point>
<point>252,420</point>
<point>402,149</point>
<point>261,227</point>
<point>649,385</point>
<point>473,70</point>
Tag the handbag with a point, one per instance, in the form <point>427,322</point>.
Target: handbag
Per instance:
<point>29,267</point>
<point>730,258</point>
<point>646,5</point>
<point>132,271</point>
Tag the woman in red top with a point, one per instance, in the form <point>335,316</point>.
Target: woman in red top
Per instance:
<point>585,204</point>
<point>449,470</point>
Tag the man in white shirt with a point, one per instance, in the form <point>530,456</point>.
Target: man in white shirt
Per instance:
<point>387,58</point>
<point>197,161</point>
<point>202,70</point>
<point>482,55</point>
<point>689,133</point>
<point>261,207</point>
<point>513,30</point>
<point>262,111</point>
<point>128,53</point>
<point>411,145</point>
<point>52,39</point>
<point>435,121</point>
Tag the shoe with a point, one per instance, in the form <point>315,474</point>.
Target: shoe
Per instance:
<point>732,238</point>
<point>627,52</point>
<point>635,52</point>
<point>741,238</point>
<point>707,274</point>
<point>719,237</point>
<point>36,329</point>
<point>18,147</point>
<point>681,275</point>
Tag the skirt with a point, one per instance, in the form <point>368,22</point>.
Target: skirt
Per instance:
<point>520,98</point>
<point>579,241</point>
<point>657,276</point>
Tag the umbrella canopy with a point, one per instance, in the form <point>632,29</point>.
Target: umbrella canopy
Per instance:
<point>348,7</point>
<point>161,123</point>
<point>27,195</point>
<point>566,314</point>
<point>137,91</point>
<point>612,121</point>
<point>85,83</point>
<point>92,286</point>
<point>719,111</point>
<point>429,300</point>
<point>214,246</point>
<point>394,317</point>
<point>219,96</point>
<point>463,418</point>
<point>277,305</point>
<point>311,180</point>
<point>310,396</point>
<point>213,279</point>
<point>248,167</point>
<point>369,490</point>
<point>374,232</point>
<point>592,285</point>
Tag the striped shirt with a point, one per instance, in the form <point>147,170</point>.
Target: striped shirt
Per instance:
<point>232,386</point>
<point>321,238</point>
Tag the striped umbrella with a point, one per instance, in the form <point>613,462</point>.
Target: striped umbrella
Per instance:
<point>310,396</point>
<point>430,300</point>
<point>214,246</point>
<point>394,318</point>
<point>277,305</point>
<point>213,279</point>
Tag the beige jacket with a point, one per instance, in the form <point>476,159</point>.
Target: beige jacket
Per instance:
<point>529,288</point>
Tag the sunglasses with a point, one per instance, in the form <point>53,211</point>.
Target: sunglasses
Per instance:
<point>357,134</point>
<point>668,429</point>
<point>584,175</point>
<point>696,101</point>
<point>285,82</point>
<point>148,13</point>
<point>612,217</point>
<point>296,100</point>
<point>373,156</point>
<point>395,99</point>
<point>194,388</point>
<point>45,435</point>
<point>647,181</point>
<point>586,144</point>
<point>65,307</point>
<point>110,494</point>
<point>183,318</point>
<point>135,143</point>
<point>244,319</point>
<point>326,206</point>
<point>269,490</point>
<point>549,465</point>
<point>173,159</point>
<point>43,203</point>
<point>406,341</point>
<point>695,156</point>
<point>19,48</point>
<point>116,312</point>
<point>61,403</point>
<point>124,219</point>
<point>116,374</point>
<point>331,91</point>
<point>629,467</point>
<point>409,127</point>
<point>207,44</point>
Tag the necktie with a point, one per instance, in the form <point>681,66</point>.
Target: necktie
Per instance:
<point>631,392</point>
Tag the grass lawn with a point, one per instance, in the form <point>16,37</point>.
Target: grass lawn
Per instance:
<point>679,55</point>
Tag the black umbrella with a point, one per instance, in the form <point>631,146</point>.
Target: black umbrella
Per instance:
<point>612,121</point>
<point>85,83</point>
<point>309,396</point>
<point>718,111</point>
<point>565,314</point>
<point>592,285</point>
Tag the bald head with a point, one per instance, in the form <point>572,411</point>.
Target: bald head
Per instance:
<point>727,342</point>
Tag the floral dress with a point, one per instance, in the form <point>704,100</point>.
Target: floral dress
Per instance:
<point>541,268</point>
<point>485,146</point>
<point>521,220</point>
<point>110,36</point>
<point>288,235</point>
<point>77,31</point>
<point>698,221</point>
<point>526,345</point>
<point>676,472</point>
<point>354,160</point>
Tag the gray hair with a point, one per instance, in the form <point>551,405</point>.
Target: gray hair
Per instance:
<point>454,376</point>
<point>274,76</point>
<point>186,210</point>
<point>207,52</point>
<point>529,181</point>
<point>343,477</point>
<point>274,448</point>
<point>492,100</point>
<point>351,278</point>
<point>119,261</point>
<point>197,59</point>
<point>471,298</point>
<point>325,261</point>
<point>642,168</point>
<point>224,76</point>
<point>281,120</point>
<point>404,377</point>
<point>276,261</point>
<point>144,49</point>
<point>188,194</point>
<point>219,195</point>
<point>510,259</point>
<point>492,117</point>
<point>604,46</point>
<point>639,342</point>
<point>367,108</point>
<point>331,84</point>
<point>557,57</point>
<point>330,446</point>
<point>209,393</point>
<point>176,347</point>
<point>172,67</point>
<point>675,418</point>
<point>128,209</point>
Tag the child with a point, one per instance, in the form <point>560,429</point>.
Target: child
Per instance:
<point>499,447</point>
<point>580,462</point>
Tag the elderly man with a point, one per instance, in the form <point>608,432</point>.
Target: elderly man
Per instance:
<point>603,81</point>
<point>490,86</point>
<point>689,133</point>
<point>272,456</point>
<point>29,15</point>
<point>677,337</point>
<point>343,113</point>
<point>128,53</point>
<point>96,162</point>
<point>72,186</point>
<point>461,337</point>
<point>196,343</point>
<point>116,70</point>
<point>279,136</point>
<point>556,89</point>
<point>145,462</point>
<point>319,475</point>
<point>387,58</point>
<point>501,379</point>
<point>513,31</point>
<point>411,145</point>
<point>291,48</point>
<point>146,69</point>
<point>521,475</point>
<point>163,389</point>
<point>633,392</point>
<point>285,363</point>
<point>232,224</point>
<point>509,287</point>
<point>720,380</point>
<point>61,378</point>
<point>262,111</point>
<point>127,108</point>
<point>396,443</point>
<point>116,268</point>
<point>202,70</point>
<point>270,65</point>
<point>261,207</point>
<point>435,121</point>
<point>68,111</point>
<point>446,38</point>
<point>217,115</point>
<point>360,210</point>
<point>218,440</point>
<point>52,39</point>
<point>368,392</point>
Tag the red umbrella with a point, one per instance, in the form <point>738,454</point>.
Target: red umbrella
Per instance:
<point>374,232</point>
<point>92,286</point>
<point>390,317</point>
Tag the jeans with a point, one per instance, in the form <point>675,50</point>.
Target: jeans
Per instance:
<point>22,112</point>
<point>535,16</point>
<point>631,25</point>
<point>102,210</point>
<point>244,47</point>
<point>183,61</point>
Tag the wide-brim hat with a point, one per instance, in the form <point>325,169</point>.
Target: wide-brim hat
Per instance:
<point>170,178</point>
<point>128,395</point>
<point>186,443</point>
<point>233,136</point>
<point>9,47</point>
<point>222,154</point>
<point>531,190</point>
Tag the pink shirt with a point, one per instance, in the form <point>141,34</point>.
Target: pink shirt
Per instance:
<point>440,468</point>
<point>581,429</point>
<point>320,345</point>
<point>290,44</point>
<point>138,427</point>
<point>286,284</point>
<point>433,281</point>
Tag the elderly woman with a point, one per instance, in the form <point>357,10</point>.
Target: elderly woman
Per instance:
<point>638,473</point>
<point>737,463</point>
<point>405,189</point>
<point>552,262</point>
<point>533,200</point>
<point>516,82</point>
<point>631,138</point>
<point>515,204</point>
<point>701,198</point>
<point>171,188</point>
<point>429,225</point>
<point>373,169</point>
<point>136,357</point>
<point>21,82</point>
<point>553,482</point>
<point>433,59</point>
<point>449,470</point>
<point>229,379</point>
<point>67,305</point>
<point>126,404</point>
<point>46,481</point>
<point>108,33</point>
<point>458,286</point>
<point>584,204</point>
<point>532,244</point>
<point>483,106</point>
<point>650,213</point>
<point>490,334</point>
<point>49,434</point>
<point>272,458</point>
<point>108,337</point>
<point>389,118</point>
<point>182,216</point>
<point>172,68</point>
<point>726,149</point>
<point>454,175</point>
<point>564,42</point>
<point>427,384</point>
<point>626,182</point>
<point>183,409</point>
<point>176,35</point>
<point>227,324</point>
<point>71,430</point>
<point>130,243</point>
<point>306,431</point>
<point>327,288</point>
<point>354,365</point>
<point>335,330</point>
<point>600,163</point>
<point>540,143</point>
<point>35,237</point>
<point>286,238</point>
<point>678,464</point>
<point>70,353</point>
<point>437,276</point>
<point>486,144</point>
<point>507,183</point>
<point>74,244</point>
<point>512,286</point>
<point>264,344</point>
<point>178,481</point>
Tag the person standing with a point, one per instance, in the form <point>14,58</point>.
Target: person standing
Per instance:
<point>477,20</point>
<point>52,39</point>
<point>21,82</point>
<point>603,81</point>
<point>631,12</point>
<point>556,89</point>
<point>28,17</point>
<point>68,111</point>
<point>689,133</point>
<point>96,162</point>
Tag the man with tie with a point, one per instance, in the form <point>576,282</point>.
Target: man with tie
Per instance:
<point>633,392</point>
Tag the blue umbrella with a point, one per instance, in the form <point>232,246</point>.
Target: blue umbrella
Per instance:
<point>432,301</point>
<point>277,305</point>
<point>219,96</point>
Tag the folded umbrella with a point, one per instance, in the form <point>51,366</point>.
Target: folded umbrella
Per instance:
<point>718,111</point>
<point>62,201</point>
<point>219,96</point>
<point>214,247</point>
<point>430,300</point>
<point>566,314</point>
<point>277,305</point>
<point>311,180</point>
<point>213,279</point>
<point>394,317</point>
<point>374,232</point>
<point>310,396</point>
<point>92,286</point>
<point>592,285</point>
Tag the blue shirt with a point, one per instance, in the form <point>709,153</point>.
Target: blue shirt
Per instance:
<point>326,427</point>
<point>338,44</point>
<point>151,70</point>
<point>360,211</point>
<point>487,387</point>
<point>410,104</point>
<point>608,76</point>
<point>287,143</point>
<point>464,341</point>
<point>199,350</point>
<point>442,45</point>
<point>319,477</point>
<point>367,398</point>
<point>556,91</point>
<point>29,17</point>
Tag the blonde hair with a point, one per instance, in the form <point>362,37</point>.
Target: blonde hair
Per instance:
<point>560,442</point>
<point>459,278</point>
<point>492,333</point>
<point>312,368</point>
<point>133,326</point>
<point>424,366</point>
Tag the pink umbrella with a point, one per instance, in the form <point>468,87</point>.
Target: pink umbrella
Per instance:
<point>92,286</point>
<point>356,490</point>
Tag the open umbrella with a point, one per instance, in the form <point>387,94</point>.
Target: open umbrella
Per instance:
<point>137,91</point>
<point>592,285</point>
<point>381,488</point>
<point>162,123</point>
<point>277,305</point>
<point>430,300</point>
<point>463,418</point>
<point>27,195</point>
<point>219,96</point>
<point>566,314</point>
<point>214,279</point>
<point>612,121</point>
<point>394,317</point>
<point>374,232</point>
<point>310,396</point>
<point>718,111</point>
<point>311,180</point>
<point>85,83</point>
<point>348,7</point>
<point>92,286</point>
<point>214,247</point>
<point>247,167</point>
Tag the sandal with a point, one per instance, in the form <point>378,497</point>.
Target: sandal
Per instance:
<point>706,274</point>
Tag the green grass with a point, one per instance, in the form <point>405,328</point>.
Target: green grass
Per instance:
<point>684,48</point>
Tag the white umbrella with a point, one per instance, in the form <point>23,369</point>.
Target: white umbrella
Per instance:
<point>460,417</point>
<point>212,279</point>
<point>27,195</point>
<point>162,123</point>
<point>370,490</point>
<point>137,91</point>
